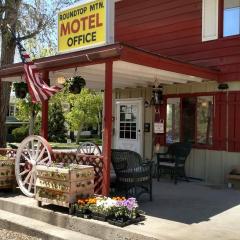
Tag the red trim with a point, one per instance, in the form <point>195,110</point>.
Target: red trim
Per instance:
<point>107,137</point>
<point>141,57</point>
<point>113,52</point>
<point>220,18</point>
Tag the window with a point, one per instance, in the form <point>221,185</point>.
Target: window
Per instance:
<point>11,111</point>
<point>204,120</point>
<point>173,120</point>
<point>231,18</point>
<point>190,119</point>
<point>128,122</point>
<point>228,14</point>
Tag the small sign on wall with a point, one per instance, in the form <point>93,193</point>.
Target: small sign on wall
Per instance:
<point>159,127</point>
<point>147,127</point>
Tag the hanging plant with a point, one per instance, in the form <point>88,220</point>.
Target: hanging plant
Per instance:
<point>21,89</point>
<point>75,84</point>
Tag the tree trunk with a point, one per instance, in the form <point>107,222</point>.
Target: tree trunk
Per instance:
<point>7,57</point>
<point>32,121</point>
<point>78,135</point>
<point>8,46</point>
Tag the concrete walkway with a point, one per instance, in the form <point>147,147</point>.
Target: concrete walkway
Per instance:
<point>184,211</point>
<point>194,211</point>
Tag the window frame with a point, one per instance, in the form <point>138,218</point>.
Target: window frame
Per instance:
<point>184,95</point>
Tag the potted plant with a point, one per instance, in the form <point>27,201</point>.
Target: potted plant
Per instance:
<point>75,84</point>
<point>125,212</point>
<point>21,89</point>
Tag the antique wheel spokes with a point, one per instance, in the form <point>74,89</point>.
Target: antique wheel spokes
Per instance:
<point>89,148</point>
<point>33,151</point>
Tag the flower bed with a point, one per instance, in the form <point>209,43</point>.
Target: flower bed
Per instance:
<point>116,211</point>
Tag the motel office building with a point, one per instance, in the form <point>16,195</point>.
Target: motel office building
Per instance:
<point>191,49</point>
<point>203,33</point>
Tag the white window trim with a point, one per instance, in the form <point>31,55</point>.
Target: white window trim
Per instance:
<point>205,21</point>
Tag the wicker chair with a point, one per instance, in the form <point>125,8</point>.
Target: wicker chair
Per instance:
<point>173,161</point>
<point>132,172</point>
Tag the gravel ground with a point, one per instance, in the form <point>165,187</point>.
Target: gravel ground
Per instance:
<point>9,235</point>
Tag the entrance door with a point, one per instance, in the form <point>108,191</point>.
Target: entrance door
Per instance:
<point>128,125</point>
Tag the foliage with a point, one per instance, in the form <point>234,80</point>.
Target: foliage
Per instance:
<point>29,112</point>
<point>56,130</point>
<point>115,207</point>
<point>20,133</point>
<point>31,19</point>
<point>85,110</point>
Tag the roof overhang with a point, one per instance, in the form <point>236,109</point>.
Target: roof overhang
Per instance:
<point>132,67</point>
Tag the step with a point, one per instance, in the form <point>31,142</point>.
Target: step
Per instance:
<point>38,229</point>
<point>56,217</point>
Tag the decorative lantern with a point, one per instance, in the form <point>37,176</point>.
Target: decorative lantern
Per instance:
<point>157,96</point>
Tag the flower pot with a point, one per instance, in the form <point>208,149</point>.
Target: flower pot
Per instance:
<point>75,88</point>
<point>83,214</point>
<point>20,93</point>
<point>99,217</point>
<point>125,221</point>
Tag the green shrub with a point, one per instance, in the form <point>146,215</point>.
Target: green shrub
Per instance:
<point>20,133</point>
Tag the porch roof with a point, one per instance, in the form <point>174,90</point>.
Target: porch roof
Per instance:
<point>132,67</point>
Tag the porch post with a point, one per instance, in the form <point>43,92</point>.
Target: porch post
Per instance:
<point>44,126</point>
<point>107,134</point>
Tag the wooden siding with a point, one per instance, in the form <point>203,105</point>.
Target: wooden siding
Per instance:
<point>173,28</point>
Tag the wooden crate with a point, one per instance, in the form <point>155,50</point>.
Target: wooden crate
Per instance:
<point>62,186</point>
<point>7,174</point>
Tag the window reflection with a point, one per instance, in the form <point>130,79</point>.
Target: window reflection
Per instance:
<point>173,120</point>
<point>196,122</point>
<point>204,120</point>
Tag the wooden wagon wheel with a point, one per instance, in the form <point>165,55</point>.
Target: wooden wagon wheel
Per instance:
<point>89,148</point>
<point>33,150</point>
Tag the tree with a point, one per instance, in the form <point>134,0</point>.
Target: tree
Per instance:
<point>57,130</point>
<point>29,112</point>
<point>30,18</point>
<point>85,110</point>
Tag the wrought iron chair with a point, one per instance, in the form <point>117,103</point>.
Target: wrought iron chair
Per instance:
<point>132,172</point>
<point>173,161</point>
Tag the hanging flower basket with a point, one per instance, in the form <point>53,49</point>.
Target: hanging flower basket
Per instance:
<point>21,89</point>
<point>76,84</point>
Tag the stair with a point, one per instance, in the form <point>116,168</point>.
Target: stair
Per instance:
<point>38,229</point>
<point>20,213</point>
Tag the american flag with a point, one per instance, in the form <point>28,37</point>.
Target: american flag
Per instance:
<point>38,89</point>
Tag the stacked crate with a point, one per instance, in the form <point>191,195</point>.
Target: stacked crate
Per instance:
<point>62,186</point>
<point>7,173</point>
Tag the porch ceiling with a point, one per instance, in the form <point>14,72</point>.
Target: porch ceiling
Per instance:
<point>125,75</point>
<point>132,68</point>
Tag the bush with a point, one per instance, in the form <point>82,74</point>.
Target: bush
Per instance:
<point>20,133</point>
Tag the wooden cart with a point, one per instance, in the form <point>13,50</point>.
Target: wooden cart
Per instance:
<point>62,186</point>
<point>7,174</point>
